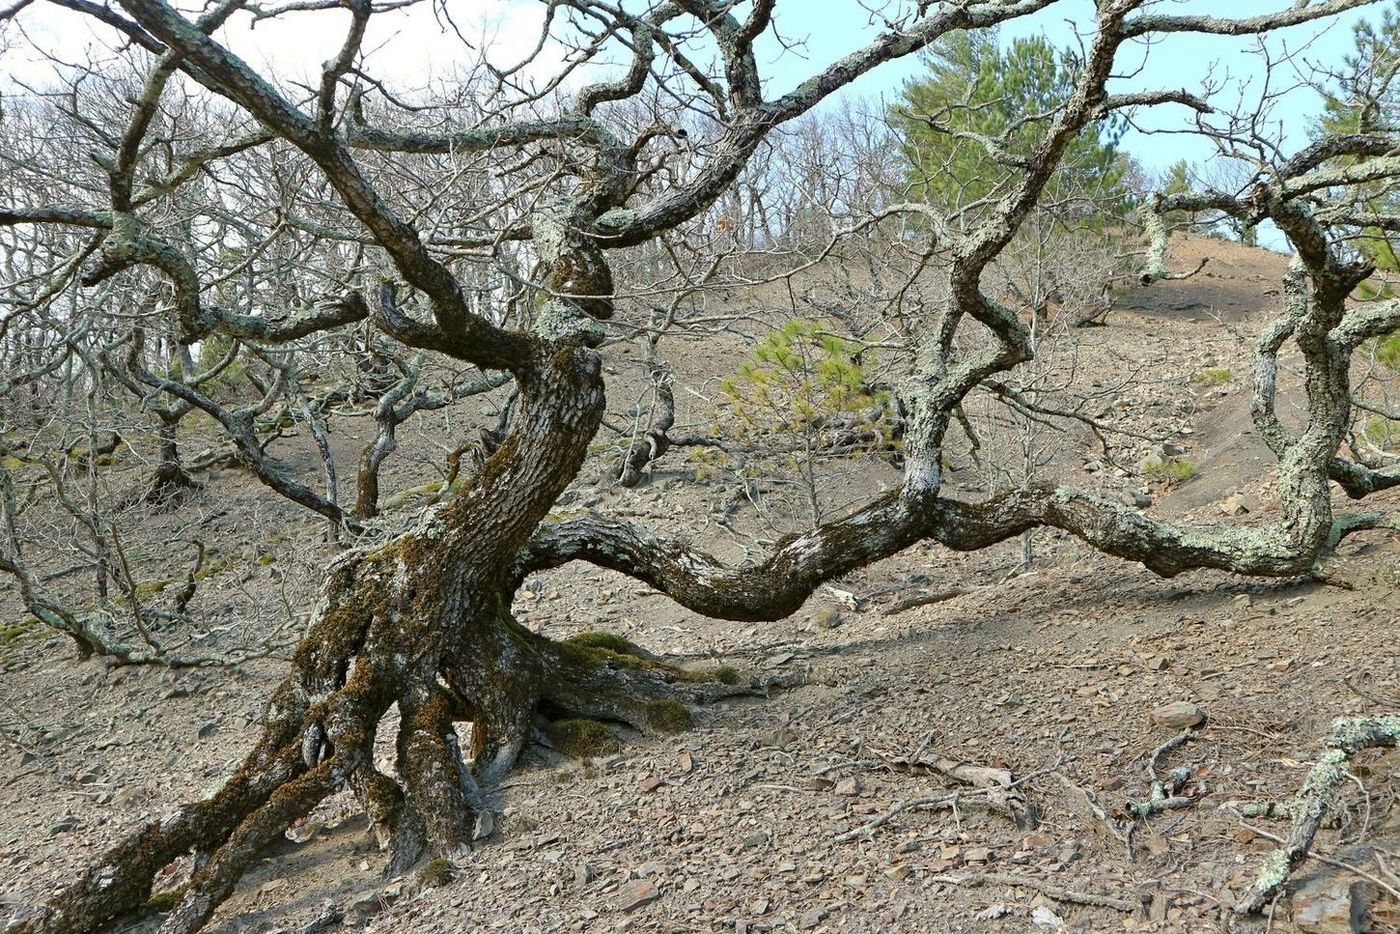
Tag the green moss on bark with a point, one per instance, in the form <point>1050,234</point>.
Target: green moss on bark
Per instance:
<point>608,641</point>
<point>165,901</point>
<point>436,873</point>
<point>582,739</point>
<point>669,716</point>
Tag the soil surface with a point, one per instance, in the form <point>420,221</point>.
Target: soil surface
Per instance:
<point>1051,672</point>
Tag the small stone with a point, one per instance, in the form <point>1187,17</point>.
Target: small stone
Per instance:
<point>811,918</point>
<point>584,873</point>
<point>637,893</point>
<point>208,729</point>
<point>650,784</point>
<point>1238,504</point>
<point>1171,449</point>
<point>1152,463</point>
<point>485,825</point>
<point>847,788</point>
<point>62,826</point>
<point>1179,715</point>
<point>687,763</point>
<point>366,905</point>
<point>753,840</point>
<point>1136,498</point>
<point>828,617</point>
<point>1043,917</point>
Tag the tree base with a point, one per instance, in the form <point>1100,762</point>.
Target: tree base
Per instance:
<point>361,657</point>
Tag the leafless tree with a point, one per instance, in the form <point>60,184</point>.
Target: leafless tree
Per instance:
<point>423,212</point>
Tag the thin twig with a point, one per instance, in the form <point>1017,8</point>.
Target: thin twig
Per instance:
<point>1044,888</point>
<point>936,801</point>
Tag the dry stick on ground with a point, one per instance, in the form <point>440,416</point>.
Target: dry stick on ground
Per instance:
<point>1315,800</point>
<point>933,801</point>
<point>1165,794</point>
<point>1055,892</point>
<point>1383,701</point>
<point>923,598</point>
<point>997,782</point>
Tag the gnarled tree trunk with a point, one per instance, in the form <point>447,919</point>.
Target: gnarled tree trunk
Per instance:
<point>423,622</point>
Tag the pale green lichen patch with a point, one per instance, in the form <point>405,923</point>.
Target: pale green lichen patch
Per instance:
<point>1352,733</point>
<point>1274,873</point>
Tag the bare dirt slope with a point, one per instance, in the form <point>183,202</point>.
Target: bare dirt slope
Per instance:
<point>736,826</point>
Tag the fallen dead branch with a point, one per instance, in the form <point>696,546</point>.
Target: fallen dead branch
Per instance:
<point>1313,803</point>
<point>922,599</point>
<point>927,802</point>
<point>1336,863</point>
<point>1164,793</point>
<point>1392,702</point>
<point>1055,892</point>
<point>997,783</point>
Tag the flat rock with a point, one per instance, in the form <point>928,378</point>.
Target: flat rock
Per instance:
<point>847,788</point>
<point>485,825</point>
<point>1178,715</point>
<point>1136,498</point>
<point>1332,905</point>
<point>637,893</point>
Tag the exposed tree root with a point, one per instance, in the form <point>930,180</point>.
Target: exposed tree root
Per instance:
<point>1315,800</point>
<point>169,486</point>
<point>320,727</point>
<point>422,623</point>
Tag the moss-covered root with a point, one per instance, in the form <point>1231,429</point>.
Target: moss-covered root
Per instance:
<point>578,738</point>
<point>605,677</point>
<point>215,881</point>
<point>1315,800</point>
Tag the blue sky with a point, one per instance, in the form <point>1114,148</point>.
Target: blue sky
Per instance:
<point>409,46</point>
<point>831,28</point>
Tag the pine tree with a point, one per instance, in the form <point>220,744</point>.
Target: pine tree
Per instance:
<point>1366,99</point>
<point>974,86</point>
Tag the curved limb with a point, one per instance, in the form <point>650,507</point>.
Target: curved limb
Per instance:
<point>798,564</point>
